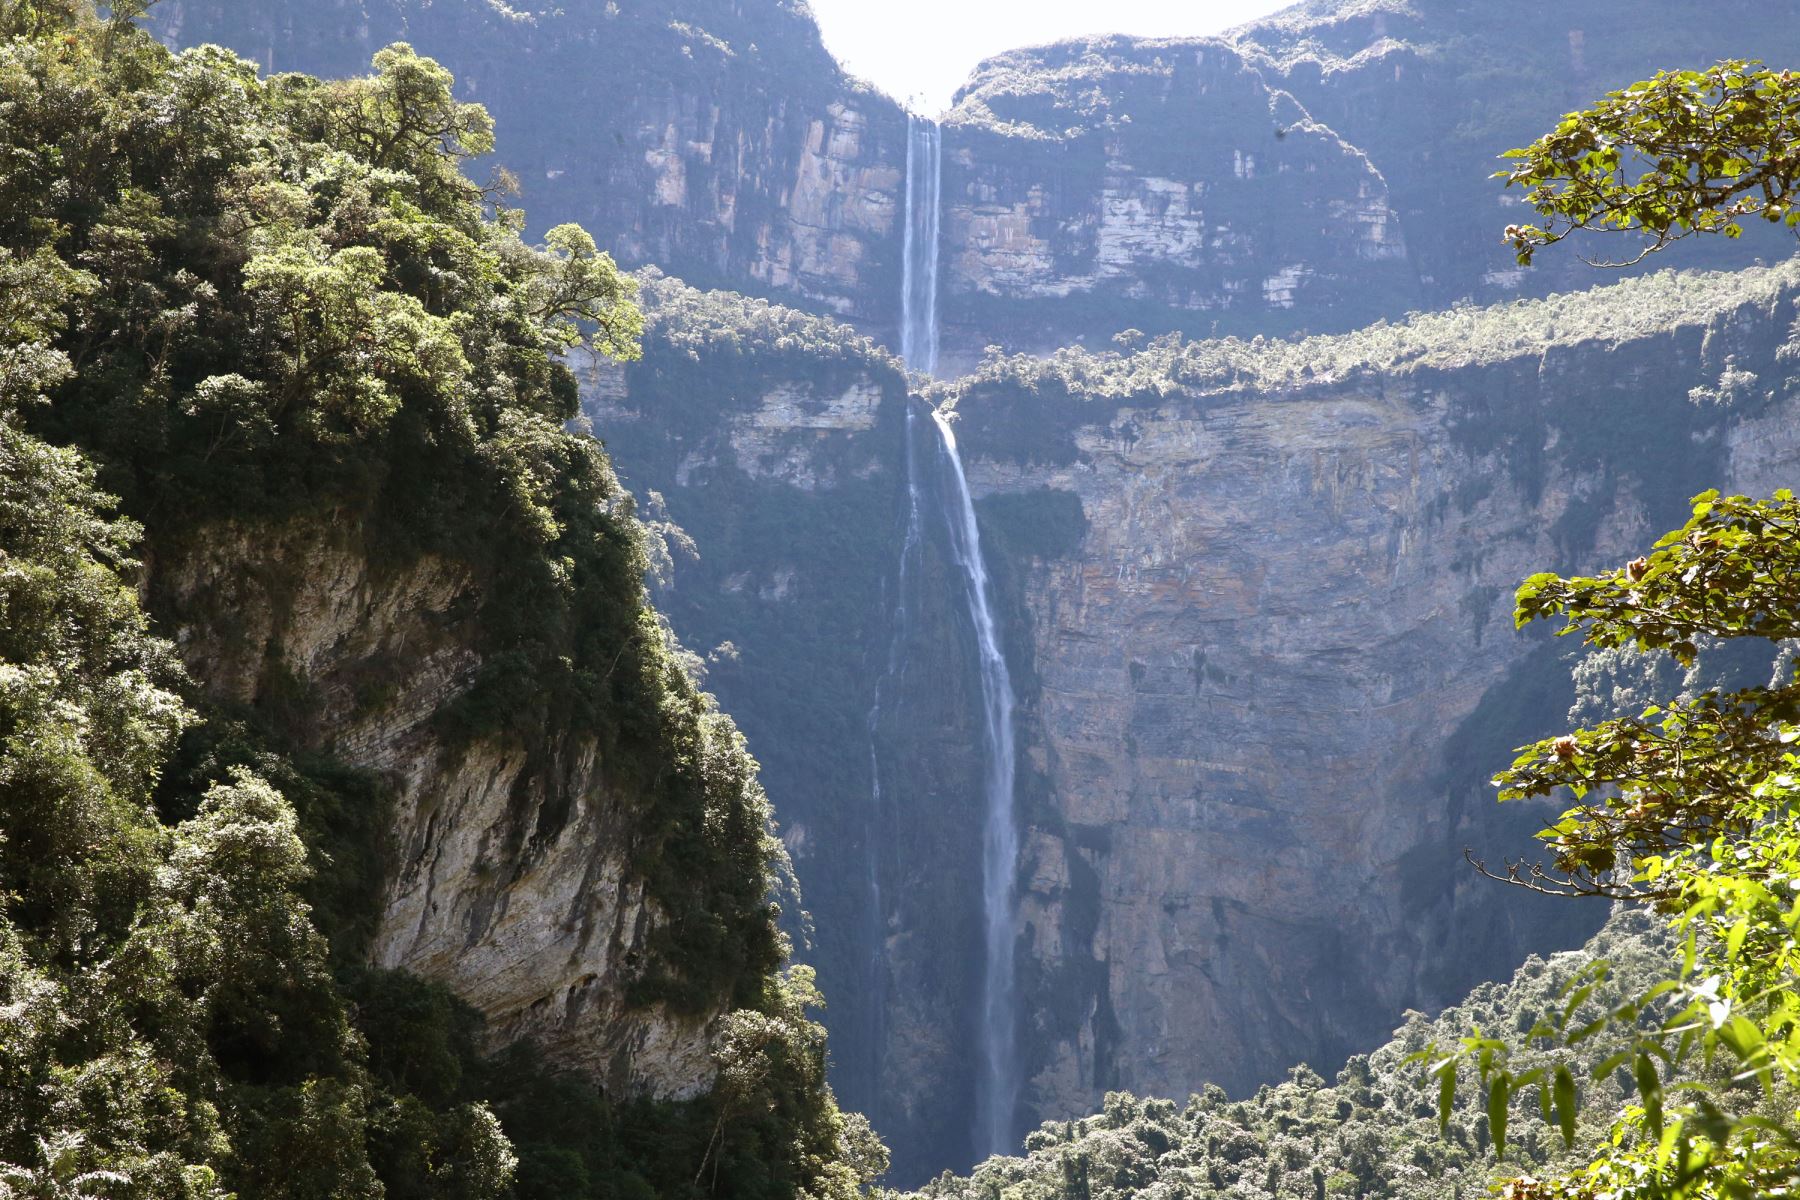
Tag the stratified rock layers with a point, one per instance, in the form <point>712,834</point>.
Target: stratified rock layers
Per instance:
<point>1273,674</point>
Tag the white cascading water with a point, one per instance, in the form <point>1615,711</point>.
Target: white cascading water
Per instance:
<point>997,1090</point>
<point>918,348</point>
<point>997,1087</point>
<point>924,199</point>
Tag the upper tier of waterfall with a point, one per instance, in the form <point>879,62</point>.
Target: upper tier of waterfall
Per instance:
<point>924,203</point>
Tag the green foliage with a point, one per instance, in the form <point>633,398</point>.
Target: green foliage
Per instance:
<point>172,1025</point>
<point>256,304</point>
<point>1373,1133</point>
<point>1685,152</point>
<point>1457,338</point>
<point>1688,806</point>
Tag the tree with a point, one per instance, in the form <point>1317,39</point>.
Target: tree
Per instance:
<point>1686,152</point>
<point>1691,806</point>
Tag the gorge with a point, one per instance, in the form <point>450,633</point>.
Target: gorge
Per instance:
<point>1126,705</point>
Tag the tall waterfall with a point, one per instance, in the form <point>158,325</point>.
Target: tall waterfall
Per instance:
<point>997,1086</point>
<point>919,349</point>
<point>997,1089</point>
<point>924,201</point>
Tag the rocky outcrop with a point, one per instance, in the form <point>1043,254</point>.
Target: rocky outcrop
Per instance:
<point>511,878</point>
<point>713,138</point>
<point>1091,185</point>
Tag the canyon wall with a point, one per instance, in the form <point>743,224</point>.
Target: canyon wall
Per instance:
<point>1434,91</point>
<point>714,138</point>
<point>1257,600</point>
<point>1092,187</point>
<point>1274,660</point>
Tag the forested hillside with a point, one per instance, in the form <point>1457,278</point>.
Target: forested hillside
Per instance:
<point>320,371</point>
<point>1370,1132</point>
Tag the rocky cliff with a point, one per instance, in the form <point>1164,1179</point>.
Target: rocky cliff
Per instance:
<point>1275,660</point>
<point>1315,171</point>
<point>714,138</point>
<point>1434,91</point>
<point>1259,623</point>
<point>1094,186</point>
<point>516,872</point>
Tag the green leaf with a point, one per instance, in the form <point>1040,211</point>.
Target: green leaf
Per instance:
<point>1499,1101</point>
<point>1446,1093</point>
<point>1649,1085</point>
<point>1564,1092</point>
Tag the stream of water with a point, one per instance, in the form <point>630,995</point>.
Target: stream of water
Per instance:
<point>998,1084</point>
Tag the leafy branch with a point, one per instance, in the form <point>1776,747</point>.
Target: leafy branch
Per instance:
<point>1685,152</point>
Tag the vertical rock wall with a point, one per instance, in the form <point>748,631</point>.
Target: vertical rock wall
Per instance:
<point>1277,663</point>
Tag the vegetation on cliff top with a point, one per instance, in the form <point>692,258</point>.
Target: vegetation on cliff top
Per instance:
<point>1465,336</point>
<point>249,302</point>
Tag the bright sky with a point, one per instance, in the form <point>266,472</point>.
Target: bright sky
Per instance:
<point>923,50</point>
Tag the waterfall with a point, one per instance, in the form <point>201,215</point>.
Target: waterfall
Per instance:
<point>919,350</point>
<point>924,201</point>
<point>997,1089</point>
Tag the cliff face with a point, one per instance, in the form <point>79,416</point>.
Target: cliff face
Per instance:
<point>713,138</point>
<point>1434,92</point>
<point>1093,185</point>
<point>512,877</point>
<point>1277,660</point>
